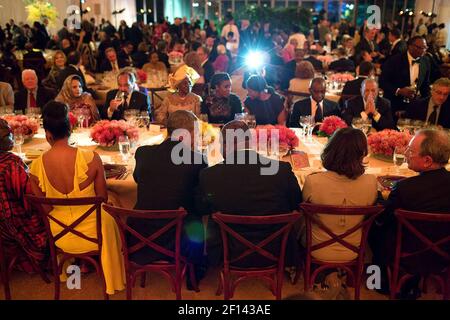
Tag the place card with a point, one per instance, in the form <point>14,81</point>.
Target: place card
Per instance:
<point>106,159</point>
<point>299,160</point>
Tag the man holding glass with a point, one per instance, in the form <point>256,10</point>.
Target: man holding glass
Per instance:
<point>126,97</point>
<point>369,107</point>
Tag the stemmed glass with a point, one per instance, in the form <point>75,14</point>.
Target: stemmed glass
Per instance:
<point>130,116</point>
<point>124,148</point>
<point>18,141</point>
<point>305,122</point>
<point>120,96</point>
<point>403,124</point>
<point>241,116</point>
<point>203,117</point>
<point>251,121</point>
<point>399,157</point>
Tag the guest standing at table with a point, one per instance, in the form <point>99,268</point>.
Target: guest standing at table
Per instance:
<point>76,173</point>
<point>427,154</point>
<point>154,66</point>
<point>435,109</point>
<point>59,64</point>
<point>21,228</point>
<point>181,97</point>
<point>343,158</point>
<point>264,103</point>
<point>132,99</point>
<point>221,105</point>
<point>73,96</point>
<point>175,188</point>
<point>32,95</point>
<point>370,106</point>
<point>316,106</point>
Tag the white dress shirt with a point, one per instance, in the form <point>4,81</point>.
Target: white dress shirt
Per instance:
<point>314,106</point>
<point>413,70</point>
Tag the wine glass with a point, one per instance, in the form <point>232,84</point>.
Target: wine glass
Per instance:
<point>18,142</point>
<point>120,96</point>
<point>366,125</point>
<point>251,121</point>
<point>403,124</point>
<point>124,148</point>
<point>240,116</point>
<point>399,157</point>
<point>311,125</point>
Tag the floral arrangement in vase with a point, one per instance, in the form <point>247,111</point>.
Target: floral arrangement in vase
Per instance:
<point>28,127</point>
<point>73,120</point>
<point>384,142</point>
<point>287,139</point>
<point>342,77</point>
<point>38,10</point>
<point>106,133</point>
<point>330,125</point>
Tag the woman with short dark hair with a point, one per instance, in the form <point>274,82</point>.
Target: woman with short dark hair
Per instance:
<point>343,184</point>
<point>76,173</point>
<point>221,105</point>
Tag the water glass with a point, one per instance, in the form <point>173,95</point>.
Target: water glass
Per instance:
<point>203,117</point>
<point>124,148</point>
<point>251,121</point>
<point>18,142</point>
<point>399,157</point>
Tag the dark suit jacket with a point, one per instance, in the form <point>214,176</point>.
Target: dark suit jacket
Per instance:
<point>163,185</point>
<point>303,108</point>
<point>399,48</point>
<point>106,65</point>
<point>138,101</point>
<point>43,96</point>
<point>317,64</point>
<point>209,71</point>
<point>68,71</point>
<point>395,74</point>
<point>356,105</point>
<point>241,189</point>
<point>364,45</point>
<point>419,108</point>
<point>342,65</point>
<point>427,192</point>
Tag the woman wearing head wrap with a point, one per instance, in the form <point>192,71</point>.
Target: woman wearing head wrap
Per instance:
<point>21,228</point>
<point>181,97</point>
<point>72,94</point>
<point>221,105</point>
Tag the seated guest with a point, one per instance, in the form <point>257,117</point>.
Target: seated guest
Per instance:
<point>329,44</point>
<point>125,53</point>
<point>353,88</point>
<point>181,98</point>
<point>21,229</point>
<point>6,95</point>
<point>264,103</point>
<point>435,109</point>
<point>258,186</point>
<point>304,73</point>
<point>73,67</point>
<point>31,95</point>
<point>161,50</point>
<point>112,63</point>
<point>131,98</point>
<point>316,106</point>
<point>343,64</point>
<point>343,158</point>
<point>154,66</point>
<point>222,60</point>
<point>73,96</point>
<point>427,154</point>
<point>59,64</point>
<point>76,173</point>
<point>206,64</point>
<point>221,105</point>
<point>370,106</point>
<point>175,189</point>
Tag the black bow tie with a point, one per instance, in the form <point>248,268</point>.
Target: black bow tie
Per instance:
<point>416,61</point>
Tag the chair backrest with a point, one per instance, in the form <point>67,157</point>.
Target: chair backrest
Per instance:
<point>284,222</point>
<point>368,213</point>
<point>294,96</point>
<point>43,203</point>
<point>175,220</point>
<point>410,221</point>
<point>37,64</point>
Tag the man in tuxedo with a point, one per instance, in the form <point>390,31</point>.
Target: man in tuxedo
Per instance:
<point>398,46</point>
<point>435,109</point>
<point>367,43</point>
<point>316,106</point>
<point>407,75</point>
<point>31,95</point>
<point>112,63</point>
<point>353,88</point>
<point>131,98</point>
<point>369,106</point>
<point>427,154</point>
<point>125,53</point>
<point>207,66</point>
<point>343,64</point>
<point>163,184</point>
<point>247,183</point>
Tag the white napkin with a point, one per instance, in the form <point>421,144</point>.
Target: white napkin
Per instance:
<point>106,159</point>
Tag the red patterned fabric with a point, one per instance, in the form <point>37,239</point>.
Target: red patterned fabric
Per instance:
<point>21,228</point>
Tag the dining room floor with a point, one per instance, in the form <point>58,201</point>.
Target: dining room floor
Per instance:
<point>32,287</point>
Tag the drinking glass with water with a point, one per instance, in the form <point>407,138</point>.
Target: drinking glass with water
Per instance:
<point>124,148</point>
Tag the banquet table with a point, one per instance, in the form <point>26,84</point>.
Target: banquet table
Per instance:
<point>123,192</point>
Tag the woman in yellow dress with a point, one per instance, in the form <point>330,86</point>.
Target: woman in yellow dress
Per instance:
<point>67,172</point>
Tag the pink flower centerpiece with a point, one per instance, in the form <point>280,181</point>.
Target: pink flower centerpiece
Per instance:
<point>106,133</point>
<point>73,120</point>
<point>330,125</point>
<point>384,142</point>
<point>287,139</point>
<point>28,127</point>
<point>342,77</point>
<point>141,75</point>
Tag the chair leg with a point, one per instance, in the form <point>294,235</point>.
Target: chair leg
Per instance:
<point>5,280</point>
<point>279,285</point>
<point>220,286</point>
<point>129,288</point>
<point>143,279</point>
<point>357,286</point>
<point>193,278</point>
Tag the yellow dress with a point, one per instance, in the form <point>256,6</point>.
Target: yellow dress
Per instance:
<point>112,259</point>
